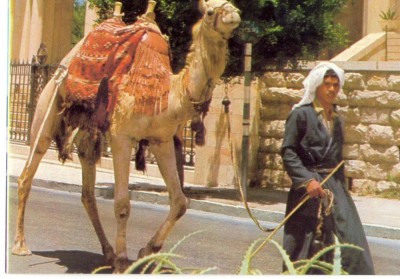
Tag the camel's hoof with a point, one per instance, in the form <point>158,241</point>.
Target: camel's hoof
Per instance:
<point>143,253</point>
<point>21,250</point>
<point>121,265</point>
<point>109,257</point>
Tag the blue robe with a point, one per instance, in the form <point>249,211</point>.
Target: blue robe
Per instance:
<point>308,150</point>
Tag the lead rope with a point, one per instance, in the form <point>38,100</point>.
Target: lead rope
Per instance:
<point>236,171</point>
<point>59,76</point>
<point>306,197</point>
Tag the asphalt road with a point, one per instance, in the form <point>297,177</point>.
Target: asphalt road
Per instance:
<point>62,239</point>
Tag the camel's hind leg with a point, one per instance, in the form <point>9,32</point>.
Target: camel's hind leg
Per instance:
<point>165,156</point>
<point>24,187</point>
<point>42,132</point>
<point>88,198</point>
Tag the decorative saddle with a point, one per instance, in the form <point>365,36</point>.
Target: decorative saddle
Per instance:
<point>114,59</point>
<point>127,59</point>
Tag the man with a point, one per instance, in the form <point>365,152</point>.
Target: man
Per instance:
<point>312,147</point>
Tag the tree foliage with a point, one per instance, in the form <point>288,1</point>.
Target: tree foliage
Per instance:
<point>78,21</point>
<point>286,30</point>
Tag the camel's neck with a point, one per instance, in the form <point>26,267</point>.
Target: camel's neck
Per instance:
<point>208,62</point>
<point>205,64</point>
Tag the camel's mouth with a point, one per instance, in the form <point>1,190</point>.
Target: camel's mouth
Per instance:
<point>231,16</point>
<point>222,16</point>
<point>233,20</point>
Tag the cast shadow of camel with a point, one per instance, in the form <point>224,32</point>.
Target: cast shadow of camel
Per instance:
<point>80,262</point>
<point>75,261</point>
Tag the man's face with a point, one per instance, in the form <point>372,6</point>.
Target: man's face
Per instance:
<point>328,90</point>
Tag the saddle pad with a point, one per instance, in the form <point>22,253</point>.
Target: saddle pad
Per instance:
<point>134,58</point>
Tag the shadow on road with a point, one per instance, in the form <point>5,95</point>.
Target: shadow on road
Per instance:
<point>74,261</point>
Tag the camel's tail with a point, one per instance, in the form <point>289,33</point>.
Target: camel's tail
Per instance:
<point>140,156</point>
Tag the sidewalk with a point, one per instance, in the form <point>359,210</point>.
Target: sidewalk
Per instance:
<point>380,217</point>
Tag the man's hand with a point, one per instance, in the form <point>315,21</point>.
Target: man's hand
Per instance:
<point>314,190</point>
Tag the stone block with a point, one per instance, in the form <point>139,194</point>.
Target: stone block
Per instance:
<point>295,80</point>
<point>377,171</point>
<point>355,169</point>
<point>394,83</point>
<point>275,111</point>
<point>384,185</point>
<point>281,95</point>
<point>271,161</point>
<point>363,186</point>
<point>270,145</point>
<point>394,174</point>
<point>272,129</point>
<point>350,114</point>
<point>380,135</point>
<point>395,118</point>
<point>355,133</point>
<point>382,99</point>
<point>377,82</point>
<point>396,132</point>
<point>351,151</point>
<point>274,79</point>
<point>379,153</point>
<point>380,116</point>
<point>274,178</point>
<point>354,81</point>
<point>342,99</point>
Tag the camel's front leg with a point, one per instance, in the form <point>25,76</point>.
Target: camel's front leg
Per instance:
<point>88,198</point>
<point>46,120</point>
<point>121,148</point>
<point>166,161</point>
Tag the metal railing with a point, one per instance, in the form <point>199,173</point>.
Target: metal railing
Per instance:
<point>27,80</point>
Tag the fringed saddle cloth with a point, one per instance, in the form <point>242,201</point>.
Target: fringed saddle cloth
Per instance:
<point>127,59</point>
<point>115,58</point>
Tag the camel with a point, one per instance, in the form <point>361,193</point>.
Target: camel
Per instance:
<point>190,90</point>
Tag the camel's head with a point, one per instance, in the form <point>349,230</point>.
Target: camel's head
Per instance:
<point>221,15</point>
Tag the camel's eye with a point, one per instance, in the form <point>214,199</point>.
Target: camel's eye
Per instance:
<point>210,11</point>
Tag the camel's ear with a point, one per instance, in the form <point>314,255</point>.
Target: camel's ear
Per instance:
<point>203,6</point>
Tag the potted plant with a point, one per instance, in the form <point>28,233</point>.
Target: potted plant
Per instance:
<point>389,20</point>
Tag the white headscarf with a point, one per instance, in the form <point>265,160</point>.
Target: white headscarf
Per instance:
<point>315,79</point>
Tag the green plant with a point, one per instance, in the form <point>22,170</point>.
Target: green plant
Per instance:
<point>388,15</point>
<point>300,267</point>
<point>162,263</point>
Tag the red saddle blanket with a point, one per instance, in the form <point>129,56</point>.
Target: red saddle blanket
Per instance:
<point>134,58</point>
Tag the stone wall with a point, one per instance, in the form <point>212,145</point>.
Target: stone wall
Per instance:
<point>370,105</point>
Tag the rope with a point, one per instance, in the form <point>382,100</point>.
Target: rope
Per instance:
<point>236,171</point>
<point>58,78</point>
<point>324,210</point>
<point>305,198</point>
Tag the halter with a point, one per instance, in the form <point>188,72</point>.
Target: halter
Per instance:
<point>218,12</point>
<point>206,95</point>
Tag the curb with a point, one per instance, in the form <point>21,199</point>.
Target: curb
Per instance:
<point>270,216</point>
